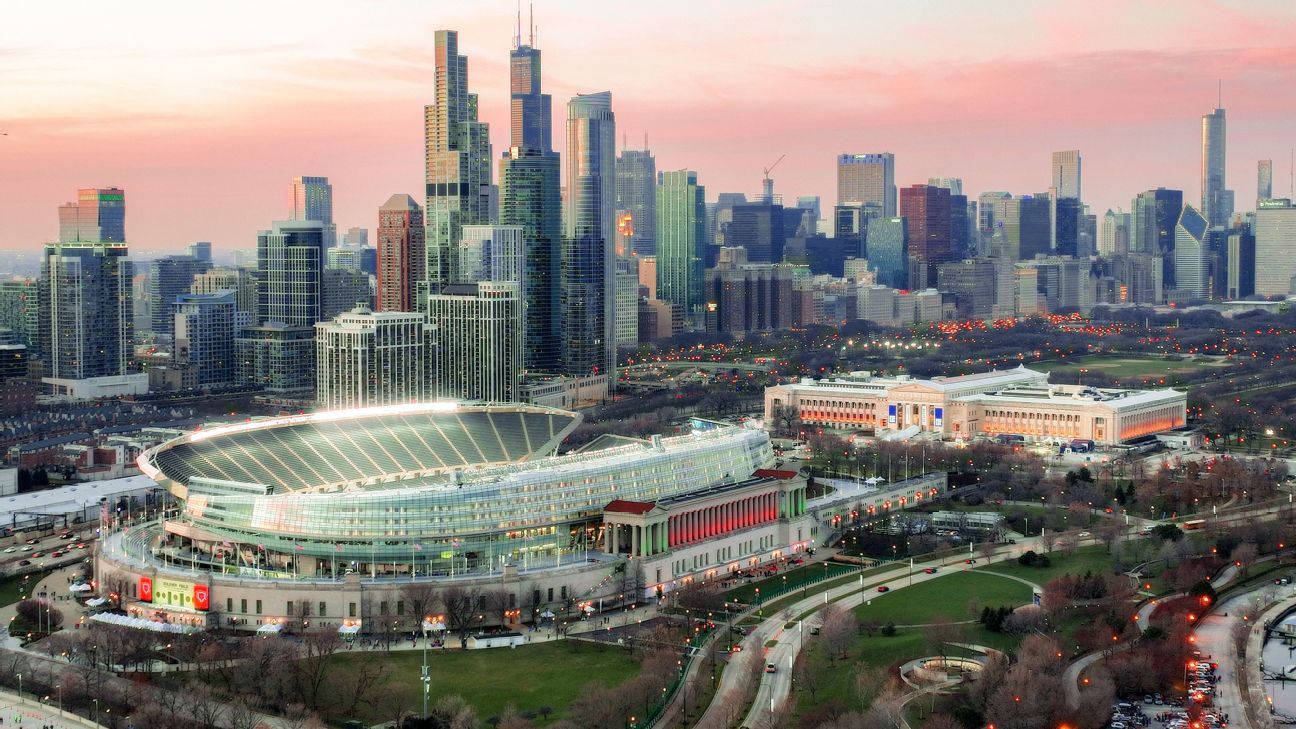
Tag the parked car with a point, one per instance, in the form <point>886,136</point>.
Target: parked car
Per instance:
<point>770,668</point>
<point>930,570</point>
<point>883,588</point>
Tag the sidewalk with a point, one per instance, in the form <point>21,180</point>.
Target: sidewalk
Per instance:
<point>23,711</point>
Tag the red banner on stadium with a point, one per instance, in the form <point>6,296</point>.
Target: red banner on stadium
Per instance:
<point>146,589</point>
<point>201,597</point>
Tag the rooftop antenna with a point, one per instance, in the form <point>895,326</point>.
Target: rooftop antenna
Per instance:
<point>1219,102</point>
<point>624,144</point>
<point>645,141</point>
<point>531,10</point>
<point>517,37</point>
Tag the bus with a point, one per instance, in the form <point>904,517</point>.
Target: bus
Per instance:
<point>1193,525</point>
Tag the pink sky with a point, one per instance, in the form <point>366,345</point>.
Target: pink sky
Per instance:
<point>204,111</point>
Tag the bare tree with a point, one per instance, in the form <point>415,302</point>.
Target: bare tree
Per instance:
<point>462,606</point>
<point>987,550</point>
<point>1048,539</point>
<point>837,630</point>
<point>311,667</point>
<point>809,671</point>
<point>420,599</point>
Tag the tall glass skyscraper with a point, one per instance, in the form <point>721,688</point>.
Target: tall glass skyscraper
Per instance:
<point>1264,179</point>
<point>401,253</point>
<point>312,199</point>
<point>86,318</point>
<point>457,162</point>
<point>867,178</point>
<point>168,278</point>
<point>97,216</point>
<point>888,251</point>
<point>1190,253</point>
<point>1216,201</point>
<point>290,266</point>
<point>681,237</point>
<point>588,271</point>
<point>636,181</point>
<point>531,197</point>
<point>1153,217</point>
<point>1066,173</point>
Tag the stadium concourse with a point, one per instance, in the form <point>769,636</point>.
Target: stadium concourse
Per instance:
<point>336,520</point>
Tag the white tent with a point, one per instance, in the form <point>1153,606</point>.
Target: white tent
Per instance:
<point>142,624</point>
<point>547,615</point>
<point>80,587</point>
<point>270,628</point>
<point>433,626</point>
<point>96,601</point>
<point>349,629</point>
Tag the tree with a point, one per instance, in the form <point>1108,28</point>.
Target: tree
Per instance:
<point>810,670</point>
<point>1243,556</point>
<point>869,684</point>
<point>311,667</point>
<point>1048,539</point>
<point>420,598</point>
<point>462,606</point>
<point>837,630</point>
<point>986,549</point>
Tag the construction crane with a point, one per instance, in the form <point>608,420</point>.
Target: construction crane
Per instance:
<point>767,195</point>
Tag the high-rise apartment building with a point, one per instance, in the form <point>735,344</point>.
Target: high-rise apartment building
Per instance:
<point>1240,255</point>
<point>20,311</point>
<point>492,253</point>
<point>1066,173</point>
<point>86,318</point>
<point>276,358</point>
<point>1264,179</point>
<point>867,178</point>
<point>202,250</point>
<point>239,280</point>
<point>366,359</point>
<point>1114,236</point>
<point>1216,200</point>
<point>205,326</point>
<point>457,162</point>
<point>168,278</point>
<point>290,267</point>
<point>748,297</point>
<point>588,271</point>
<point>636,183</point>
<point>401,255</point>
<point>1275,247</point>
<point>343,289</point>
<point>1190,254</point>
<point>477,328</point>
<point>626,305</point>
<point>312,199</point>
<point>681,237</point>
<point>926,211</point>
<point>97,216</point>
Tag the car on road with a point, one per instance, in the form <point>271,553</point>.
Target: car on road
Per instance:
<point>24,563</point>
<point>34,541</point>
<point>1082,535</point>
<point>883,588</point>
<point>65,535</point>
<point>26,548</point>
<point>38,554</point>
<point>56,554</point>
<point>930,570</point>
<point>970,561</point>
<point>770,668</point>
<point>10,550</point>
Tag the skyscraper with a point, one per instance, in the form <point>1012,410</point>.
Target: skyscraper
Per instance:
<point>290,266</point>
<point>457,162</point>
<point>530,111</point>
<point>478,333</point>
<point>1153,217</point>
<point>927,212</point>
<point>1275,247</point>
<point>169,277</point>
<point>1114,237</point>
<point>1066,173</point>
<point>888,254</point>
<point>758,228</point>
<point>401,255</point>
<point>1264,179</point>
<point>681,235</point>
<point>202,250</point>
<point>1190,259</point>
<point>588,273</point>
<point>312,199</point>
<point>1216,205</point>
<point>97,216</point>
<point>205,326</point>
<point>85,309</point>
<point>492,253</point>
<point>239,280</point>
<point>1067,213</point>
<point>367,359</point>
<point>636,181</point>
<point>867,178</point>
<point>19,311</point>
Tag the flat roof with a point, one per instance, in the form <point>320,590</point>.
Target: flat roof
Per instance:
<point>73,497</point>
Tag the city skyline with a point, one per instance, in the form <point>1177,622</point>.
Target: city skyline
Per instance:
<point>250,105</point>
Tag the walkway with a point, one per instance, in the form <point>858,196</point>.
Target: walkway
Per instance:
<point>21,711</point>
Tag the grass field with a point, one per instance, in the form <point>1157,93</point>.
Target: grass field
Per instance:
<point>943,599</point>
<point>11,587</point>
<point>790,580</point>
<point>1133,367</point>
<point>1094,559</point>
<point>544,674</point>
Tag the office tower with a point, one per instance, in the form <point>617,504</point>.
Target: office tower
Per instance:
<point>1063,283</point>
<point>1241,262</point>
<point>530,196</point>
<point>1153,217</point>
<point>343,290</point>
<point>850,227</point>
<point>588,273</point>
<point>961,245</point>
<point>747,297</point>
<point>636,178</point>
<point>1066,173</point>
<point>648,276</point>
<point>401,255</point>
<point>681,234</point>
<point>1275,247</point>
<point>1067,214</point>
<point>1264,179</point>
<point>1023,227</point>
<point>456,165</point>
<point>719,217</point>
<point>492,253</point>
<point>356,237</point>
<point>86,319</point>
<point>867,178</point>
<point>953,184</point>
<point>889,251</point>
<point>811,203</point>
<point>1114,237</point>
<point>973,284</point>
<point>239,280</point>
<point>656,320</point>
<point>927,212</point>
<point>168,278</point>
<point>1190,253</point>
<point>478,332</point>
<point>366,359</point>
<point>20,311</point>
<point>758,229</point>
<point>986,222</point>
<point>1215,207</point>
<point>1139,276</point>
<point>339,257</point>
<point>202,250</point>
<point>626,309</point>
<point>276,358</point>
<point>290,266</point>
<point>312,199</point>
<point>205,327</point>
<point>97,216</point>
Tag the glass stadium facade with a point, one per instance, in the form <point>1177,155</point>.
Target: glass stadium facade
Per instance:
<point>430,489</point>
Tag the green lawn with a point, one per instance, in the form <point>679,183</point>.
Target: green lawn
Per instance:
<point>789,580</point>
<point>944,599</point>
<point>1093,558</point>
<point>1135,367</point>
<point>11,588</point>
<point>544,674</point>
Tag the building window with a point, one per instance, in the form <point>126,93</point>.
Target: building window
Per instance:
<point>229,604</point>
<point>289,611</point>
<point>400,607</point>
<point>243,606</point>
<point>351,609</point>
<point>322,609</point>
<point>258,605</point>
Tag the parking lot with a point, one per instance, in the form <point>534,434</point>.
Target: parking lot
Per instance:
<point>1158,712</point>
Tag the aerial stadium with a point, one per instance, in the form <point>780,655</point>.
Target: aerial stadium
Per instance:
<point>332,513</point>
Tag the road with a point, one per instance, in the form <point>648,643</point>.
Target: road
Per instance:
<point>1214,639</point>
